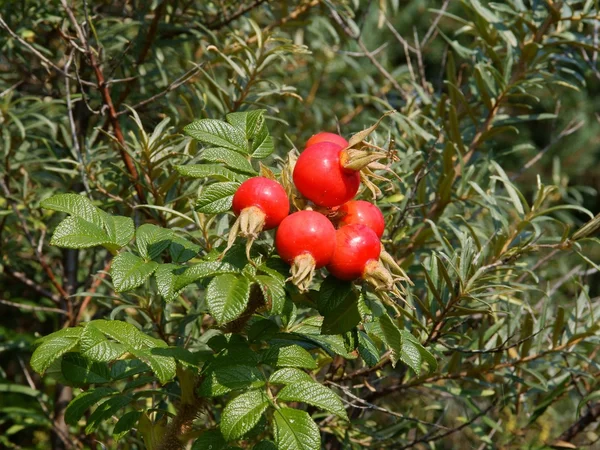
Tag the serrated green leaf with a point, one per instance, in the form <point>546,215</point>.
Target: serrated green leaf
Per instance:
<point>211,170</point>
<point>295,430</point>
<point>289,375</point>
<point>338,304</point>
<point>84,401</point>
<point>74,204</point>
<point>289,356</point>
<point>165,281</point>
<point>164,367</point>
<point>75,232</point>
<point>273,290</point>
<point>202,270</point>
<point>183,250</point>
<point>218,133</point>
<point>249,122</point>
<point>152,240</point>
<point>243,413</point>
<point>225,379</point>
<point>79,370</point>
<point>262,144</point>
<point>392,337</point>
<point>210,440</point>
<point>105,411</point>
<point>230,158</point>
<point>129,271</point>
<point>410,353</point>
<point>314,394</point>
<point>227,297</point>
<point>126,423</point>
<point>50,350</point>
<point>122,229</point>
<point>216,198</point>
<point>367,349</point>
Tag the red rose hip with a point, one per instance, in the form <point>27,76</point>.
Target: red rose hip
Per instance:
<point>360,211</point>
<point>324,136</point>
<point>320,177</point>
<point>265,197</point>
<point>356,255</point>
<point>305,240</point>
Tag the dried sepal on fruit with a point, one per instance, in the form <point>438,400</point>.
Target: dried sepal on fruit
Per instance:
<point>306,241</point>
<point>261,204</point>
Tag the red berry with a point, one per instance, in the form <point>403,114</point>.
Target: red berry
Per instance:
<point>320,177</point>
<point>324,136</point>
<point>356,248</point>
<point>305,232</point>
<point>265,194</point>
<point>360,211</point>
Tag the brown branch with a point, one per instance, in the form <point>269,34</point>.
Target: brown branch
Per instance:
<point>160,10</point>
<point>32,308</point>
<point>240,12</point>
<point>107,99</point>
<point>590,417</point>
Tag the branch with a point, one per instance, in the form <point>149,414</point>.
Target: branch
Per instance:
<point>32,308</point>
<point>32,49</point>
<point>107,99</point>
<point>590,417</point>
<point>240,12</point>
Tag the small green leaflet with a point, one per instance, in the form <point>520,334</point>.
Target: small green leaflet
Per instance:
<point>249,122</point>
<point>242,413</point>
<point>295,430</point>
<point>216,198</point>
<point>75,232</point>
<point>230,158</point>
<point>222,380</point>
<point>289,356</point>
<point>54,346</point>
<point>75,205</point>
<point>79,370</point>
<point>227,297</point>
<point>314,394</point>
<point>392,337</point>
<point>84,401</point>
<point>289,375</point>
<point>210,170</point>
<point>129,271</point>
<point>338,303</point>
<point>218,134</point>
<point>210,440</point>
<point>152,240</point>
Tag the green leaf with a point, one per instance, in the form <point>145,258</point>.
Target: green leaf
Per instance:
<point>295,430</point>
<point>367,349</point>
<point>222,380</point>
<point>202,270</point>
<point>273,290</point>
<point>129,271</point>
<point>314,394</point>
<point>410,355</point>
<point>289,375</point>
<point>338,304</point>
<point>75,232</point>
<point>152,240</point>
<point>243,413</point>
<point>249,122</point>
<point>76,205</point>
<point>210,170</point>
<point>183,250</point>
<point>84,401</point>
<point>391,337</point>
<point>216,198</point>
<point>210,440</point>
<point>230,158</point>
<point>105,411</point>
<point>126,423</point>
<point>289,356</point>
<point>122,229</point>
<point>79,370</point>
<point>227,297</point>
<point>165,281</point>
<point>139,344</point>
<point>262,144</point>
<point>218,133</point>
<point>51,349</point>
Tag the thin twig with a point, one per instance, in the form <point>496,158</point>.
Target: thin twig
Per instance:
<point>32,49</point>
<point>32,308</point>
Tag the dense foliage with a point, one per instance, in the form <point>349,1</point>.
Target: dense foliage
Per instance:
<point>126,127</point>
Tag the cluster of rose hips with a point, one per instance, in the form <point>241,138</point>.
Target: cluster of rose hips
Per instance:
<point>308,239</point>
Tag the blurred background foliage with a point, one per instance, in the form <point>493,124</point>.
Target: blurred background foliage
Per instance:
<point>94,95</point>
